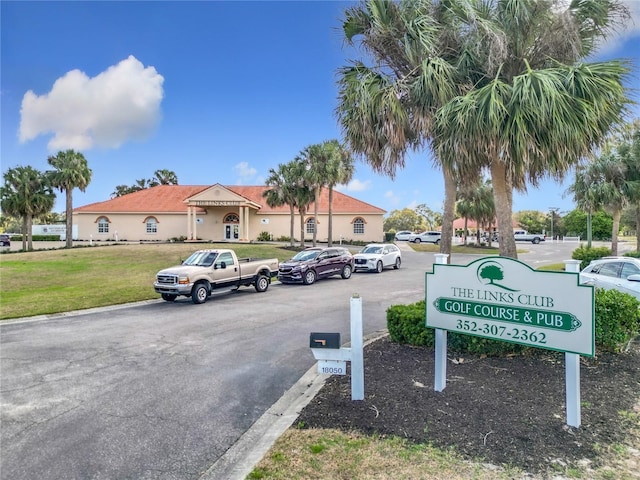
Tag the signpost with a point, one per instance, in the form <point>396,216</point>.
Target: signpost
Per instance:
<point>504,299</point>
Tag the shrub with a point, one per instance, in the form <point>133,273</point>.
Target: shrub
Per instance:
<point>586,254</point>
<point>406,324</point>
<point>632,254</point>
<point>264,237</point>
<point>617,319</point>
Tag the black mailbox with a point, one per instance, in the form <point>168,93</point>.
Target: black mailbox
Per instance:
<point>324,340</point>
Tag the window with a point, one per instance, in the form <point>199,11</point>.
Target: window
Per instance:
<point>610,269</point>
<point>103,225</point>
<point>152,225</point>
<point>358,226</point>
<point>629,269</point>
<point>311,223</point>
<point>226,257</point>
<point>231,218</point>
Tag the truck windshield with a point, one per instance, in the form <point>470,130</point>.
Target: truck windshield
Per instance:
<point>201,259</point>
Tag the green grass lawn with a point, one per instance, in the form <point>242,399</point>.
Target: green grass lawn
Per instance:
<point>54,281</point>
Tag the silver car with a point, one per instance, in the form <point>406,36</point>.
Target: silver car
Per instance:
<point>619,273</point>
<point>403,235</point>
<point>428,236</point>
<point>376,256</point>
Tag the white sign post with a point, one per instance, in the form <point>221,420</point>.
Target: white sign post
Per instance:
<point>333,360</point>
<point>504,299</point>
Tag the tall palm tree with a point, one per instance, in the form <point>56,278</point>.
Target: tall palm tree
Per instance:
<point>328,164</point>
<point>340,170</point>
<point>629,150</point>
<point>303,192</point>
<point>607,177</point>
<point>282,191</point>
<point>585,198</point>
<point>315,159</point>
<point>26,193</point>
<point>532,109</point>
<point>387,109</point>
<point>71,171</point>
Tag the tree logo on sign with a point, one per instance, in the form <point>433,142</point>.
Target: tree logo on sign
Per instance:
<point>493,272</point>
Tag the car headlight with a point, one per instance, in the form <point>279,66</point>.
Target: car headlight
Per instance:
<point>183,280</point>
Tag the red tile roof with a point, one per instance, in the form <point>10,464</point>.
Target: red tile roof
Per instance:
<point>171,199</point>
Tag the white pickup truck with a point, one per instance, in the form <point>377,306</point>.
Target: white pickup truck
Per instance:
<point>524,236</point>
<point>207,270</point>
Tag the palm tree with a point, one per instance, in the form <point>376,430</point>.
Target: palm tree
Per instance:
<point>315,159</point>
<point>606,175</point>
<point>387,109</point>
<point>585,198</point>
<point>303,191</point>
<point>26,193</point>
<point>328,164</point>
<point>282,191</point>
<point>531,110</point>
<point>629,150</point>
<point>71,171</point>
<point>163,177</point>
<point>340,170</point>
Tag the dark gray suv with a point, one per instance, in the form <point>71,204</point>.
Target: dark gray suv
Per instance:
<point>315,263</point>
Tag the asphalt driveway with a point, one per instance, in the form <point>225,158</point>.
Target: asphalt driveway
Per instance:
<point>162,390</point>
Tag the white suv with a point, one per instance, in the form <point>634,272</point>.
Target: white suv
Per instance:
<point>620,273</point>
<point>430,237</point>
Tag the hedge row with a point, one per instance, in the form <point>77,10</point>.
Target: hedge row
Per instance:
<point>617,322</point>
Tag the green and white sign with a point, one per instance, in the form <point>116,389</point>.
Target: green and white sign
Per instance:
<point>504,299</point>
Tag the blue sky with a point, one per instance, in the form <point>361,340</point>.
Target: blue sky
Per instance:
<point>218,92</point>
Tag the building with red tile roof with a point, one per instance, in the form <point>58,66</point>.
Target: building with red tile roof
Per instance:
<point>220,213</point>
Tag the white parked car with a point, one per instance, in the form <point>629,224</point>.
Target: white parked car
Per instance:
<point>429,237</point>
<point>619,273</point>
<point>403,235</point>
<point>376,256</point>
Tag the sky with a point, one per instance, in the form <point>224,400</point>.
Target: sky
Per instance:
<point>215,91</point>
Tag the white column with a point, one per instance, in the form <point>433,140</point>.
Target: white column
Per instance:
<point>189,233</point>
<point>357,349</point>
<point>194,218</point>
<point>246,221</point>
<point>241,223</point>
<point>440,381</point>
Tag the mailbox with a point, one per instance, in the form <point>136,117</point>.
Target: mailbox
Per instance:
<point>324,340</point>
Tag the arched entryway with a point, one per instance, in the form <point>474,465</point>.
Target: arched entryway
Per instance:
<point>231,226</point>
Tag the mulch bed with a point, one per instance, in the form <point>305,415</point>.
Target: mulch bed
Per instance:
<point>505,411</point>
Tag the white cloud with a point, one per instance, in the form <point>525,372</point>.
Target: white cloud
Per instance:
<point>117,105</point>
<point>244,171</point>
<point>355,186</point>
<point>392,197</point>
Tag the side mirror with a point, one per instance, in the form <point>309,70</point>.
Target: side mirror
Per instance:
<point>634,278</point>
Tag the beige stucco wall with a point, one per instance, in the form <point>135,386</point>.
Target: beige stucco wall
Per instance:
<point>210,226</point>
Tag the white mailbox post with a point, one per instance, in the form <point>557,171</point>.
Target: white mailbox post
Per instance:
<point>332,358</point>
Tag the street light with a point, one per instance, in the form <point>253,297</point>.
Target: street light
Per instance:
<point>553,210</point>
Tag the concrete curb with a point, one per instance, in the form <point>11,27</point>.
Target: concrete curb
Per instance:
<point>238,462</point>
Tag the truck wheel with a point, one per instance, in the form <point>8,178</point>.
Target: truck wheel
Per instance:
<point>199,293</point>
<point>262,283</point>
<point>169,297</point>
<point>309,277</point>
<point>346,271</point>
<point>536,240</point>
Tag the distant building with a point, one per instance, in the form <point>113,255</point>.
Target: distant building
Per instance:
<point>220,213</point>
